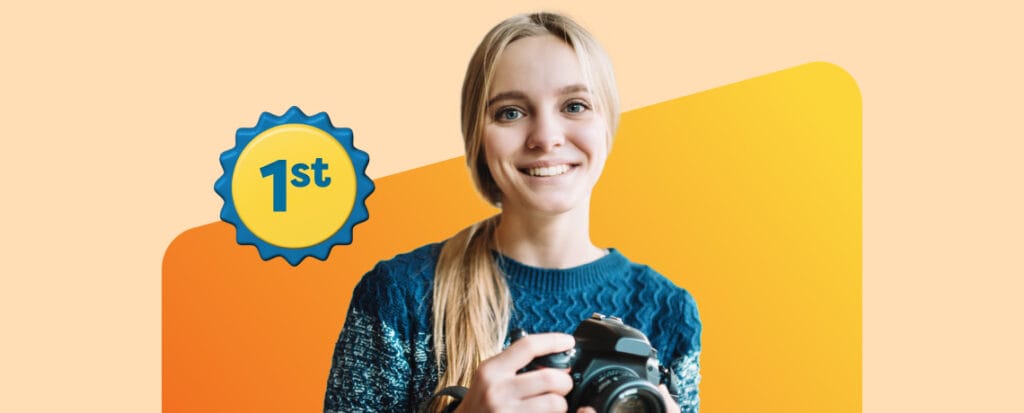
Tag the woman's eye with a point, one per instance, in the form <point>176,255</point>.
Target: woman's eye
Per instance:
<point>508,114</point>
<point>575,107</point>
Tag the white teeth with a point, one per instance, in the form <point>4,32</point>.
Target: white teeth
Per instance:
<point>548,170</point>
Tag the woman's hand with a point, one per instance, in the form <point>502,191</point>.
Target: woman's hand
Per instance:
<point>670,403</point>
<point>496,387</point>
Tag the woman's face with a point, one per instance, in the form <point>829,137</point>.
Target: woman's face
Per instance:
<point>544,143</point>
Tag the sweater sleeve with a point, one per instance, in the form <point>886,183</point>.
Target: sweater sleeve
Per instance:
<point>370,369</point>
<point>687,371</point>
<point>685,364</point>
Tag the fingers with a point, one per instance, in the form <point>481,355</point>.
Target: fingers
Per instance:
<point>670,402</point>
<point>537,391</point>
<point>544,403</point>
<point>496,386</point>
<point>586,409</point>
<point>543,381</point>
<point>520,353</point>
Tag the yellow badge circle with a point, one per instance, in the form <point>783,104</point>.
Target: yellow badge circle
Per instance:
<point>294,186</point>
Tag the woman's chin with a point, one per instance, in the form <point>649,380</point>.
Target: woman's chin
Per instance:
<point>555,206</point>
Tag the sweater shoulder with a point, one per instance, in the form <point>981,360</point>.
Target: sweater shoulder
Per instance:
<point>414,265</point>
<point>673,310</point>
<point>417,263</point>
<point>401,280</point>
<point>676,296</point>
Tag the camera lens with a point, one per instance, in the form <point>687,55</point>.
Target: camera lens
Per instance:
<point>619,390</point>
<point>634,403</point>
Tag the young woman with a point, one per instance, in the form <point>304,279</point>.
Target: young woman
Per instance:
<point>539,109</point>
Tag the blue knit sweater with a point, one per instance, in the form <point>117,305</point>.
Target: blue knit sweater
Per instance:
<point>384,358</point>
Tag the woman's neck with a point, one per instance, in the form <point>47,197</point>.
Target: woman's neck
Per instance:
<point>547,241</point>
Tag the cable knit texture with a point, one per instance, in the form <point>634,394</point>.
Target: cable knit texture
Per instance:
<point>384,357</point>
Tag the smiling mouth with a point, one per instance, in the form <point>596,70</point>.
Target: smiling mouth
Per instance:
<point>546,171</point>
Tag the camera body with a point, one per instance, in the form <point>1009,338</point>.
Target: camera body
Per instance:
<point>613,368</point>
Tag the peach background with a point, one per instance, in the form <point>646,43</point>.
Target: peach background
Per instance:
<point>114,114</point>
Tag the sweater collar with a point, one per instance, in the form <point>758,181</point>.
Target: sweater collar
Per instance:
<point>538,279</point>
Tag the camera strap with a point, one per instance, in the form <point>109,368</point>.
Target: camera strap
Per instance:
<point>455,392</point>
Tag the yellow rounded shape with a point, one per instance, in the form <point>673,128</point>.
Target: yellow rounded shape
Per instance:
<point>317,195</point>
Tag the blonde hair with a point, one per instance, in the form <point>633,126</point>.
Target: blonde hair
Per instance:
<point>472,306</point>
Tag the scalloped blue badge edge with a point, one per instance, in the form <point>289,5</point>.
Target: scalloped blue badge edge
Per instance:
<point>364,186</point>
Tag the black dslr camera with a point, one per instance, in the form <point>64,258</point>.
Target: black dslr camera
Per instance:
<point>613,367</point>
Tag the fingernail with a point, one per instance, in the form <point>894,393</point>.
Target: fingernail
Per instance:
<point>568,340</point>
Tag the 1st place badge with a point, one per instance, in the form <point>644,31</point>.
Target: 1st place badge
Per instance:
<point>294,186</point>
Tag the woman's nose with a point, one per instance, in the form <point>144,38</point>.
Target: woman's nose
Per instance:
<point>547,133</point>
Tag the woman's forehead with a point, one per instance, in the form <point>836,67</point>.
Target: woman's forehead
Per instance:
<point>537,65</point>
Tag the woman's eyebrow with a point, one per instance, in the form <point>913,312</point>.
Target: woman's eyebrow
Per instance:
<point>515,94</point>
<point>579,87</point>
<point>510,95</point>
